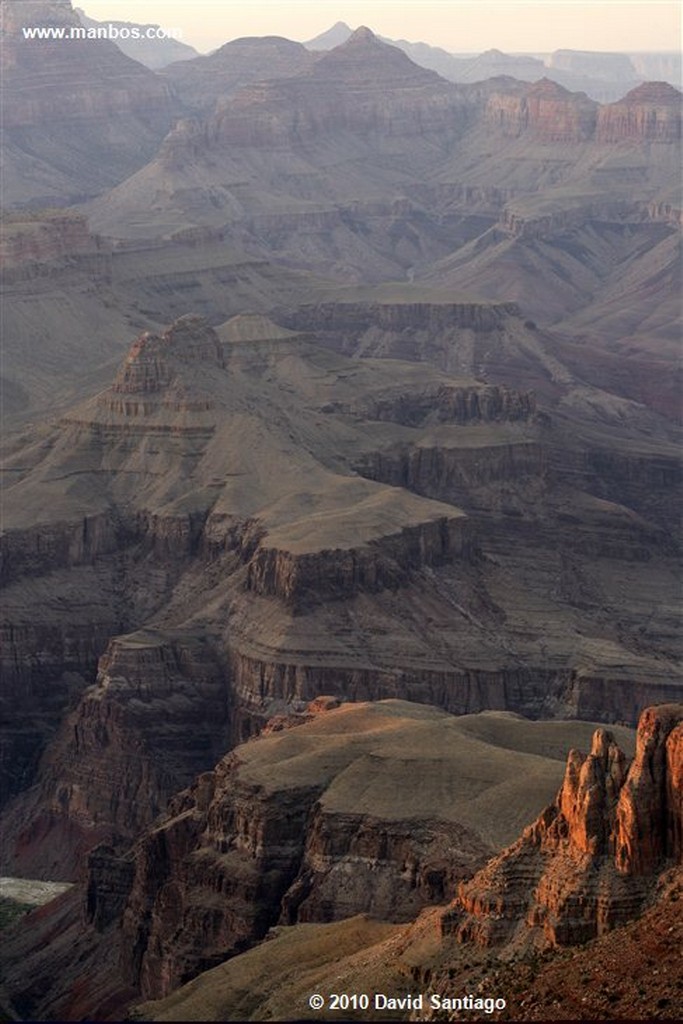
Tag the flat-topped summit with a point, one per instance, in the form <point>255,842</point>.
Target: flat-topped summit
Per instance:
<point>654,92</point>
<point>149,366</point>
<point>649,113</point>
<point>253,327</point>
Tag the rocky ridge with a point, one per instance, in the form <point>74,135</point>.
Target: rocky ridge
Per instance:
<point>384,492</point>
<point>546,109</point>
<point>630,967</point>
<point>396,102</point>
<point>202,81</point>
<point>42,239</point>
<point>276,832</point>
<point>84,86</point>
<point>592,858</point>
<point>651,112</point>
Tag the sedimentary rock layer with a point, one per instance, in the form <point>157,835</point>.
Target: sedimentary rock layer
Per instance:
<point>592,858</point>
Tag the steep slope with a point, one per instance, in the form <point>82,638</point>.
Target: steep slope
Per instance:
<point>380,529</point>
<point>604,77</point>
<point>631,973</point>
<point>71,301</point>
<point>629,970</point>
<point>279,831</point>
<point>154,52</point>
<point>200,81</point>
<point>366,167</point>
<point>593,856</point>
<point>78,115</point>
<point>340,141</point>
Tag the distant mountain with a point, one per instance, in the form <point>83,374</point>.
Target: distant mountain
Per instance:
<point>494,63</point>
<point>153,53</point>
<point>78,116</point>
<point>201,81</point>
<point>602,76</point>
<point>367,168</point>
<point>659,67</point>
<point>334,36</point>
<point>594,64</point>
<point>363,125</point>
<point>361,115</point>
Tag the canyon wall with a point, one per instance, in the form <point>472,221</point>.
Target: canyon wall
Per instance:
<point>592,858</point>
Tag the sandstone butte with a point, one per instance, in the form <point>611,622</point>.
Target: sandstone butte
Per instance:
<point>605,851</point>
<point>224,581</point>
<point>592,858</point>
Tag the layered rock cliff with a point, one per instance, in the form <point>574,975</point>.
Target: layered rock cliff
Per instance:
<point>592,858</point>
<point>158,714</point>
<point>367,528</point>
<point>148,366</point>
<point>44,238</point>
<point>336,809</point>
<point>43,74</point>
<point>545,109</point>
<point>305,578</point>
<point>201,81</point>
<point>276,832</point>
<point>649,113</point>
<point>82,89</point>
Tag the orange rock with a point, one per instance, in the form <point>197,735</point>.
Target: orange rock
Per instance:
<point>590,860</point>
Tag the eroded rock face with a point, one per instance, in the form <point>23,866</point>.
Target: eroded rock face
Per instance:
<point>201,81</point>
<point>362,85</point>
<point>158,713</point>
<point>545,109</point>
<point>592,857</point>
<point>648,813</point>
<point>78,114</point>
<point>275,834</point>
<point>369,529</point>
<point>148,366</point>
<point>309,577</point>
<point>649,113</point>
<point>44,238</point>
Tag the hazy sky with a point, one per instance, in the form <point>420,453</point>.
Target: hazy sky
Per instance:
<point>456,25</point>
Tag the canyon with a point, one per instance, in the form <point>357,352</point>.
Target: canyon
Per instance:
<point>341,510</point>
<point>196,884</point>
<point>441,952</point>
<point>337,509</point>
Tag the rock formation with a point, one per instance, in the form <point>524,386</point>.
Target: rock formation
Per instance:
<point>154,53</point>
<point>545,110</point>
<point>159,713</point>
<point>43,239</point>
<point>79,88</point>
<point>201,81</point>
<point>592,858</point>
<point>649,113</point>
<point>337,809</point>
<point>242,576</point>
